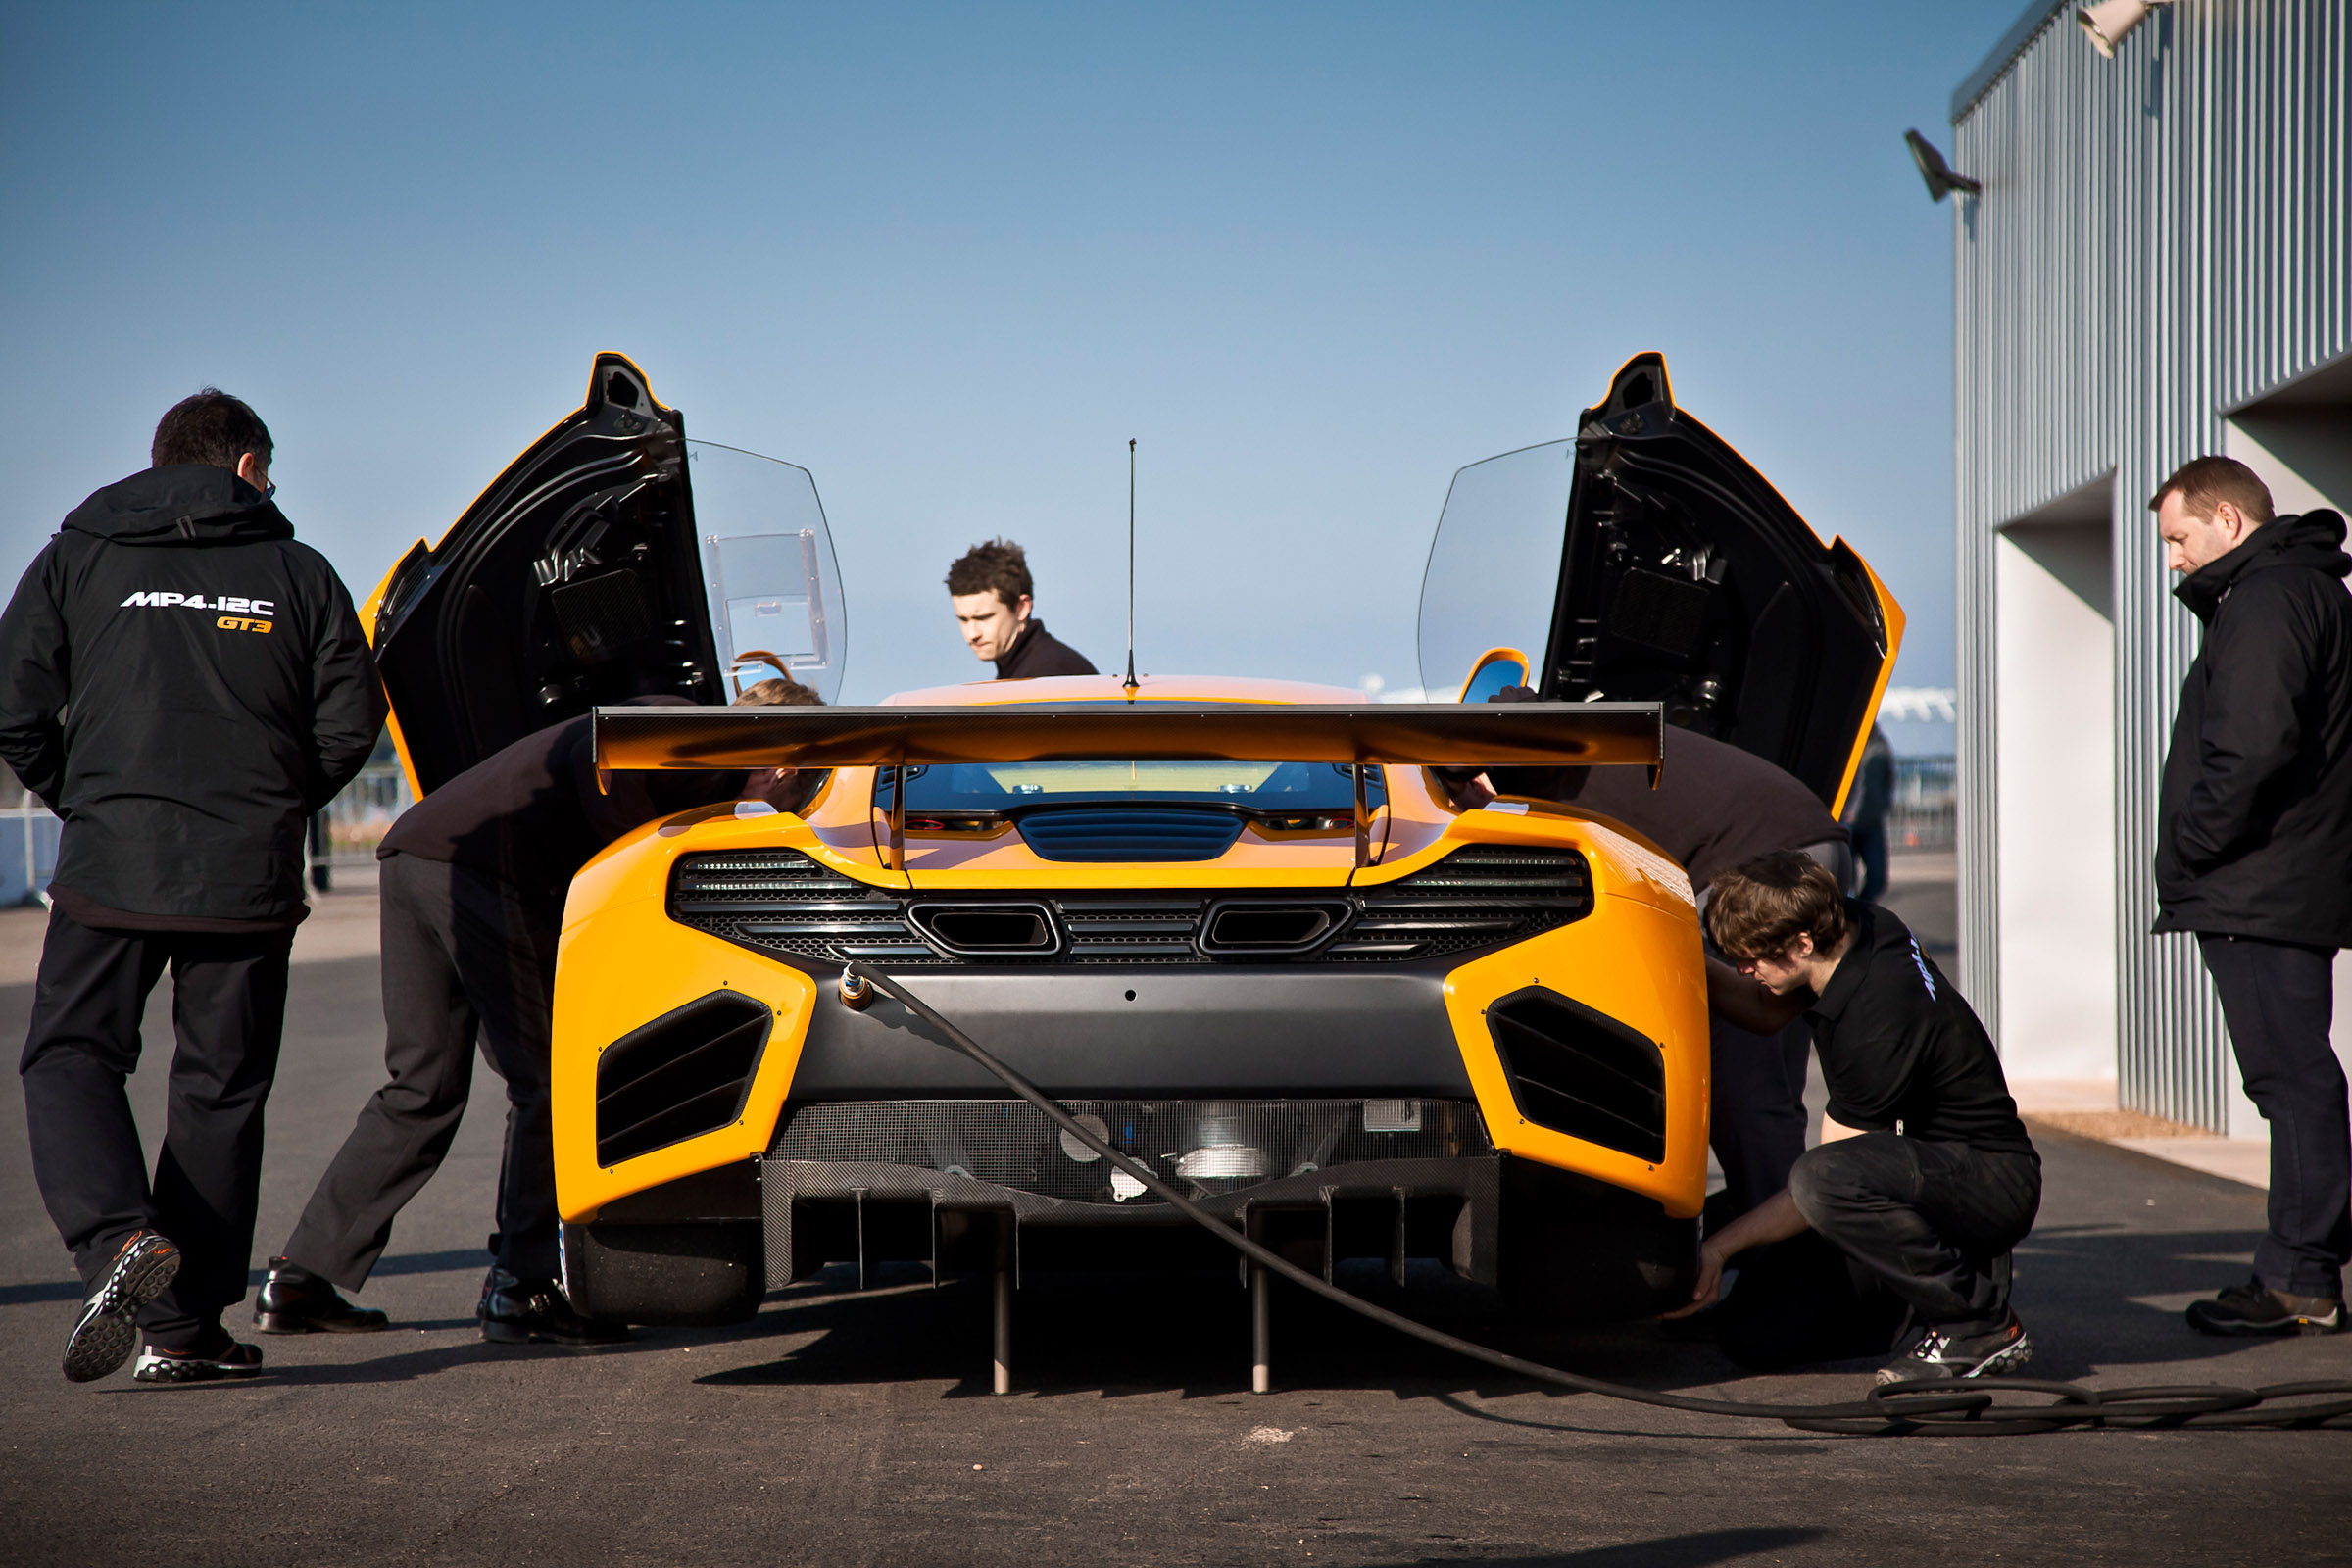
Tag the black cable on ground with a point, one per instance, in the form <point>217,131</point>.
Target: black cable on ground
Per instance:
<point>1924,1405</point>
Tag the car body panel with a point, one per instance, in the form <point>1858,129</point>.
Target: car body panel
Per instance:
<point>622,963</point>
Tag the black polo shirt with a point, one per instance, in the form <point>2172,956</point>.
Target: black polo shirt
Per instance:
<point>1898,1045</point>
<point>1036,653</point>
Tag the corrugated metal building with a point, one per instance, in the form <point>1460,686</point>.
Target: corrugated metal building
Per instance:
<point>2159,265</point>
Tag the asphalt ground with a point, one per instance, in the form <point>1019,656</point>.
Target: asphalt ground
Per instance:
<point>842,1427</point>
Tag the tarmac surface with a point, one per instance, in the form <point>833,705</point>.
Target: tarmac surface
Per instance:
<point>849,1428</point>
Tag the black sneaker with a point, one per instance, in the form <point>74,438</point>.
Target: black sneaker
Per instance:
<point>295,1300</point>
<point>105,1335</point>
<point>520,1312</point>
<point>2255,1308</point>
<point>1942,1354</point>
<point>237,1360</point>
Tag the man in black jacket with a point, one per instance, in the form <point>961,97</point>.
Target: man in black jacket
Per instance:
<point>2254,854</point>
<point>991,592</point>
<point>184,685</point>
<point>473,881</point>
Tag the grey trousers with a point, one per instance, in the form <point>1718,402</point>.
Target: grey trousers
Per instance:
<point>463,955</point>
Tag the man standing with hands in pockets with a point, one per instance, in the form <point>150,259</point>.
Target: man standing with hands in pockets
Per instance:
<point>2254,854</point>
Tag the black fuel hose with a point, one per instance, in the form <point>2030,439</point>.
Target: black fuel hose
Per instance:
<point>1919,1405</point>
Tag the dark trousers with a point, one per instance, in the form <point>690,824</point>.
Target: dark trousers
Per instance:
<point>1756,1110</point>
<point>1801,1301</point>
<point>228,1007</point>
<point>1932,1222</point>
<point>463,953</point>
<point>1870,854</point>
<point>2277,1000</point>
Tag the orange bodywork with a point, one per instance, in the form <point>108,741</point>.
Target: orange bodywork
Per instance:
<point>623,963</point>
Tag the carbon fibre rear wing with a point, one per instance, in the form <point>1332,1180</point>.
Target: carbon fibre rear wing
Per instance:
<point>1419,735</point>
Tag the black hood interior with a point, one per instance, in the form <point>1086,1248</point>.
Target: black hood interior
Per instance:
<point>1686,579</point>
<point>574,580</point>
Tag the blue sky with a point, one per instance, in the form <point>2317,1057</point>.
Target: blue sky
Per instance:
<point>1313,258</point>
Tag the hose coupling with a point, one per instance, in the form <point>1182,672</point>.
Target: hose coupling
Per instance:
<point>856,991</point>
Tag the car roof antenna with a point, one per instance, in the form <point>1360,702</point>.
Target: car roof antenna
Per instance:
<point>1131,568</point>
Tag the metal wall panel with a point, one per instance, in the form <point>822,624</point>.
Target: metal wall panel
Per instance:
<point>2162,238</point>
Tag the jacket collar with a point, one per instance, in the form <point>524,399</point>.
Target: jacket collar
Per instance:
<point>184,504</point>
<point>2313,539</point>
<point>1862,924</point>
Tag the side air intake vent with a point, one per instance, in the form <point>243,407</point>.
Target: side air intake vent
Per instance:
<point>1579,1073</point>
<point>1130,833</point>
<point>682,1076</point>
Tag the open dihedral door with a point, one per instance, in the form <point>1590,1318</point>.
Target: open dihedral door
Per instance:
<point>581,576</point>
<point>1677,575</point>
<point>572,581</point>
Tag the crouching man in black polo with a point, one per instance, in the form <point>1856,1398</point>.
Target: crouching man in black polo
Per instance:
<point>1925,1178</point>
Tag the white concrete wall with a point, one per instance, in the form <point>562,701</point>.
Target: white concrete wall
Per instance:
<point>2054,672</point>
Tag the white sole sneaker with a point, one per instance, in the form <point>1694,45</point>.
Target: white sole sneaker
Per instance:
<point>106,1335</point>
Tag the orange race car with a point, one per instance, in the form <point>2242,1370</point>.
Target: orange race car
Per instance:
<point>1239,927</point>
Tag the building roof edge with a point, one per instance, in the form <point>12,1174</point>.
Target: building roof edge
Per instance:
<point>1994,66</point>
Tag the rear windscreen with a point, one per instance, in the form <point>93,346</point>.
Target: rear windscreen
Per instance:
<point>1259,786</point>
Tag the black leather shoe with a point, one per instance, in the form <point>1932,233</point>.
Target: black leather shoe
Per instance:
<point>295,1300</point>
<point>520,1312</point>
<point>103,1336</point>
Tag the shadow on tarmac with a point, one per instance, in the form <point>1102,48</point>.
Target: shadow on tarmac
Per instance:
<point>412,1264</point>
<point>1123,1335</point>
<point>1695,1550</point>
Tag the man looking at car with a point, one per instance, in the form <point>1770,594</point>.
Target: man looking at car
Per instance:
<point>1925,1178</point>
<point>1715,807</point>
<point>990,587</point>
<point>473,881</point>
<point>184,685</point>
<point>2254,854</point>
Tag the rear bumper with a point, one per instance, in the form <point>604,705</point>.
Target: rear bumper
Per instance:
<point>1229,1031</point>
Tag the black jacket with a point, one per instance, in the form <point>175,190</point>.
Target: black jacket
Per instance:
<point>2254,823</point>
<point>1036,653</point>
<point>184,685</point>
<point>533,814</point>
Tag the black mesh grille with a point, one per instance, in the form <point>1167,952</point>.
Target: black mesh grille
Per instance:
<point>681,1075</point>
<point>1482,896</point>
<point>1580,1073</point>
<point>1205,1146</point>
<point>1109,834</point>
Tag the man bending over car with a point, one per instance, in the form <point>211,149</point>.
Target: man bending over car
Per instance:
<point>1925,1178</point>
<point>474,878</point>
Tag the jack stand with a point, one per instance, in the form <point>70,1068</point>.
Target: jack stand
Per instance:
<point>1003,1327</point>
<point>1261,1330</point>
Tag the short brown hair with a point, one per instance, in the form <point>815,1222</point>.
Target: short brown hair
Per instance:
<point>211,427</point>
<point>1000,565</point>
<point>1759,909</point>
<point>2204,483</point>
<point>779,691</point>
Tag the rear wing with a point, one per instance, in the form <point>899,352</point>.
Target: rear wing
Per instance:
<point>1422,735</point>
